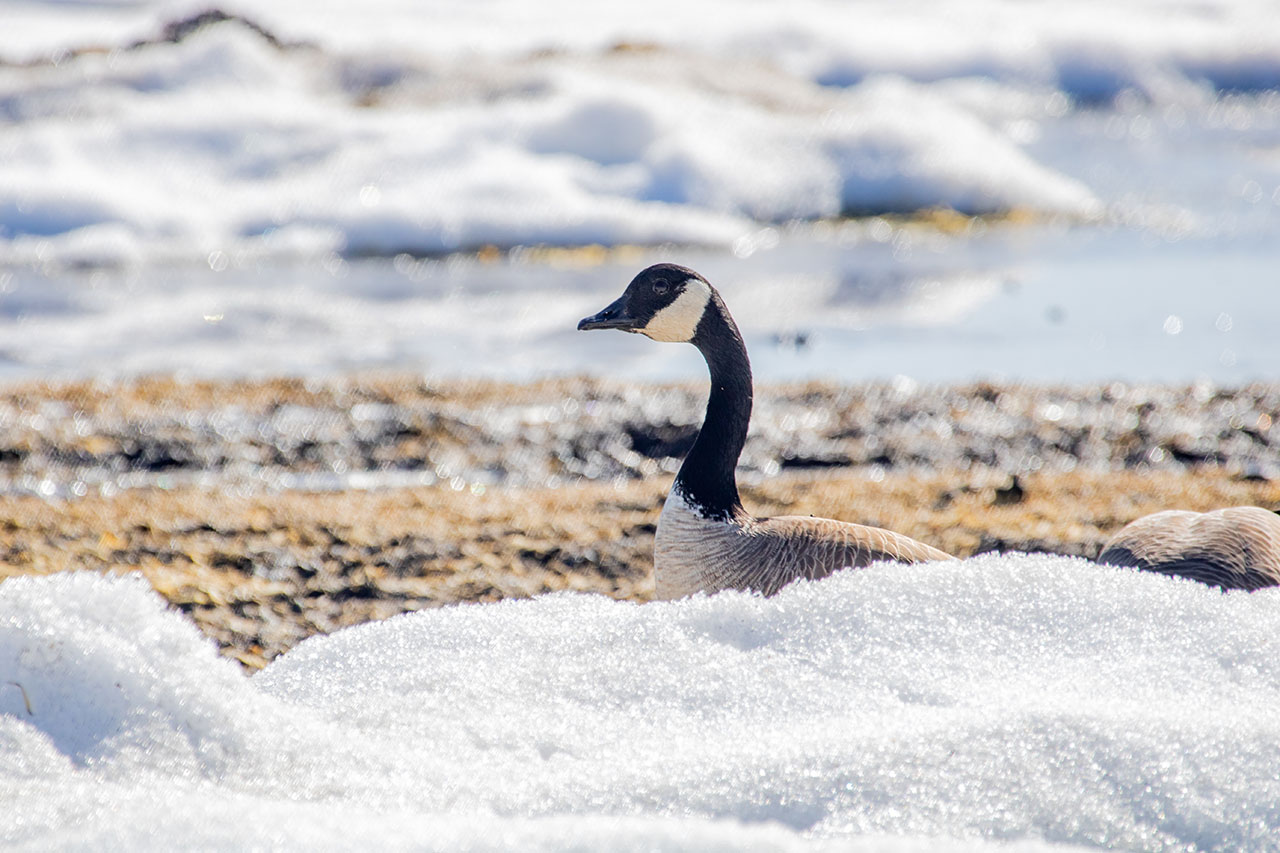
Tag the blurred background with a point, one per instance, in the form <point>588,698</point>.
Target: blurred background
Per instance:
<point>1030,191</point>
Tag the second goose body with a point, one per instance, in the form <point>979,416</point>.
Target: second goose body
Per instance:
<point>706,540</point>
<point>1233,548</point>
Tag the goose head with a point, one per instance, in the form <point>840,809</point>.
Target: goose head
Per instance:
<point>664,302</point>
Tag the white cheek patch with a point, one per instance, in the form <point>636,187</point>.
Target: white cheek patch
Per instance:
<point>679,321</point>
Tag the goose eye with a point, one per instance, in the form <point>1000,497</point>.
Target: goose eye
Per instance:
<point>661,286</point>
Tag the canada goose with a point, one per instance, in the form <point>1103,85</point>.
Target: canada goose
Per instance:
<point>1234,548</point>
<point>706,541</point>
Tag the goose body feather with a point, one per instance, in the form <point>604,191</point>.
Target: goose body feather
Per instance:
<point>693,553</point>
<point>1233,548</point>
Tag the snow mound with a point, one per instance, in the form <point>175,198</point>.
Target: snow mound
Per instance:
<point>225,142</point>
<point>1018,699</point>
<point>1093,49</point>
<point>113,680</point>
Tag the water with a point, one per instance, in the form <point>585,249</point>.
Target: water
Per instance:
<point>1021,304</point>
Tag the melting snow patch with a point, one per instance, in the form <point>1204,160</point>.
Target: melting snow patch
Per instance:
<point>224,142</point>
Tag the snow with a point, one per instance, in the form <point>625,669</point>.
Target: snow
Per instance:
<point>1091,49</point>
<point>1002,702</point>
<point>230,204</point>
<point>390,130</point>
<point>224,140</point>
<point>385,130</point>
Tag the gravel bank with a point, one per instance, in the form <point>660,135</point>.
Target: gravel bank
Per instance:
<point>273,510</point>
<point>67,440</point>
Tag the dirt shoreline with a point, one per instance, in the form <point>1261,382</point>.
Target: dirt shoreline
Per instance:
<point>527,489</point>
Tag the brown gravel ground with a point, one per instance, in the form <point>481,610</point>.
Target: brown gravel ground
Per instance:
<point>260,573</point>
<point>524,489</point>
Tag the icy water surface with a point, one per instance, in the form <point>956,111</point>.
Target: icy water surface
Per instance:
<point>866,301</point>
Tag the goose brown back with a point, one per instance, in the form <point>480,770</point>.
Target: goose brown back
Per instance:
<point>1233,548</point>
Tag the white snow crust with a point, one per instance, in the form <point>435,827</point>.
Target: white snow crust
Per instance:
<point>1003,702</point>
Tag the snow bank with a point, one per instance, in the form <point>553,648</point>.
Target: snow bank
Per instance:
<point>1094,48</point>
<point>383,129</point>
<point>1024,699</point>
<point>224,142</point>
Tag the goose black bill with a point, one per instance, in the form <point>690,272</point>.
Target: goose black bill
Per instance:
<point>615,316</point>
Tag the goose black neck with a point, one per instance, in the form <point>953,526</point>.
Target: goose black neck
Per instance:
<point>707,476</point>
